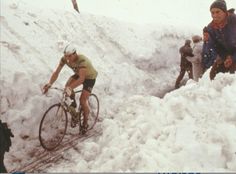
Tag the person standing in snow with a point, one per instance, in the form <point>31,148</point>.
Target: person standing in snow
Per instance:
<point>185,65</point>
<point>85,74</point>
<point>222,38</point>
<point>5,144</point>
<point>196,60</point>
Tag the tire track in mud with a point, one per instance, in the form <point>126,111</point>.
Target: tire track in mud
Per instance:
<point>45,159</point>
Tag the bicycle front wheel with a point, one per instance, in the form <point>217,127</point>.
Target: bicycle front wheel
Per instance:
<point>53,127</point>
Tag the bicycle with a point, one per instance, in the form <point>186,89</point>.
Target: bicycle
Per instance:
<point>54,122</point>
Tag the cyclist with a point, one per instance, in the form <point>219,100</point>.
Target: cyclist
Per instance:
<point>85,74</point>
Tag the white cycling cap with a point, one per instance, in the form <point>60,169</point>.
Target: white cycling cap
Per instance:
<point>69,49</point>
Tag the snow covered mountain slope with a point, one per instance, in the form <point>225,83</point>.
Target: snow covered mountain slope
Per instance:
<point>190,129</point>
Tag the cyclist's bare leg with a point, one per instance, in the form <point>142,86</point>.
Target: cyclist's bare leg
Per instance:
<point>84,104</point>
<point>69,81</point>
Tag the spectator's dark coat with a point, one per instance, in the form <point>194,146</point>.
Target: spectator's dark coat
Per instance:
<point>185,51</point>
<point>5,143</point>
<point>221,41</point>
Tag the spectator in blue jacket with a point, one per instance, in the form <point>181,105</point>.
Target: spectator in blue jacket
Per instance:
<point>208,52</point>
<point>222,39</point>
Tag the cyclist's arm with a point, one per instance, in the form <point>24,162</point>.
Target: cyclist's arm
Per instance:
<point>56,73</point>
<point>81,72</point>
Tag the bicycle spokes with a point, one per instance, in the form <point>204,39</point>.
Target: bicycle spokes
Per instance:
<point>93,110</point>
<point>53,127</point>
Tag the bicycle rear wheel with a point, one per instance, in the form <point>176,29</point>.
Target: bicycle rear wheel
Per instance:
<point>53,127</point>
<point>93,104</point>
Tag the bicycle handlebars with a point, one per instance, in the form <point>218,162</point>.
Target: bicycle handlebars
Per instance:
<point>60,89</point>
<point>57,88</point>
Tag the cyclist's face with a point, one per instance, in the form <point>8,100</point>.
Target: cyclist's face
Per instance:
<point>70,57</point>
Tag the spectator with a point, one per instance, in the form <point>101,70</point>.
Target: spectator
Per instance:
<point>231,11</point>
<point>222,39</point>
<point>5,143</point>
<point>208,52</point>
<point>197,58</point>
<point>185,65</point>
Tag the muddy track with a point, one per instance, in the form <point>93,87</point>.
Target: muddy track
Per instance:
<point>44,159</point>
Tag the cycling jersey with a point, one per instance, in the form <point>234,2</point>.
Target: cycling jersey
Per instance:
<point>81,62</point>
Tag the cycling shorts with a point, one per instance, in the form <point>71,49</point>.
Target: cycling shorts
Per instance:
<point>88,83</point>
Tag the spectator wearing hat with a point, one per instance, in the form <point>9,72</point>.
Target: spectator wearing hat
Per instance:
<point>185,65</point>
<point>222,39</point>
<point>231,11</point>
<point>197,58</point>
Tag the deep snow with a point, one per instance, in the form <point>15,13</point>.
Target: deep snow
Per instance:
<point>189,129</point>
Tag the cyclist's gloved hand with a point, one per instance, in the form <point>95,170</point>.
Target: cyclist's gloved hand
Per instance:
<point>46,87</point>
<point>68,91</point>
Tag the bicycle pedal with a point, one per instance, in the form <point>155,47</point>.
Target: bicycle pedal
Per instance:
<point>83,132</point>
<point>73,123</point>
<point>84,129</point>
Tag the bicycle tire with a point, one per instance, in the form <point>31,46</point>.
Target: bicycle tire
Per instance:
<point>51,133</point>
<point>94,108</point>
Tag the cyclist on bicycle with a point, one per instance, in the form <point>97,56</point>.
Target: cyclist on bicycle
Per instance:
<point>85,74</point>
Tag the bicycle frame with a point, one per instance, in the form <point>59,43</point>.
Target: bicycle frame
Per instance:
<point>64,99</point>
<point>54,122</point>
